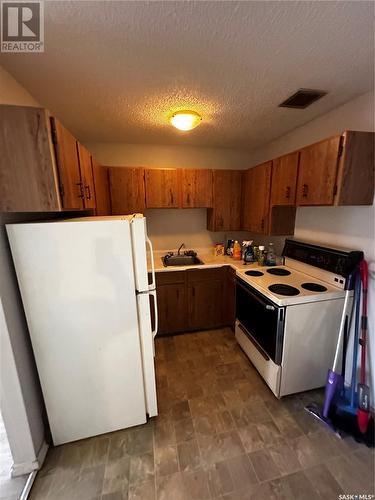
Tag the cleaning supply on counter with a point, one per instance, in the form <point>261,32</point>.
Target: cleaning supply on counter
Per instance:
<point>236,251</point>
<point>261,255</point>
<point>229,248</point>
<point>247,251</point>
<point>270,259</point>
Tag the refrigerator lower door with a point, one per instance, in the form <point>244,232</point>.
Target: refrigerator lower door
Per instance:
<point>77,285</point>
<point>141,243</point>
<point>147,348</point>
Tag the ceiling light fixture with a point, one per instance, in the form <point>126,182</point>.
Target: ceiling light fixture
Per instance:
<point>185,120</point>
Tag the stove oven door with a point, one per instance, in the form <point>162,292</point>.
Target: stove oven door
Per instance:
<point>262,320</point>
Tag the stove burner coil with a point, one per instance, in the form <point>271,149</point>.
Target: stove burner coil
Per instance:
<point>282,289</point>
<point>314,287</point>
<point>278,271</point>
<point>254,273</point>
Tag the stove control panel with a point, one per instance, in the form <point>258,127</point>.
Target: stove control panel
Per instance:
<point>339,262</point>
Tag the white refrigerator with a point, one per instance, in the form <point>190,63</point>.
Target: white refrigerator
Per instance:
<point>87,298</point>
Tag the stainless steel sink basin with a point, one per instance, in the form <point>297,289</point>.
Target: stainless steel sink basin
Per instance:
<point>181,260</point>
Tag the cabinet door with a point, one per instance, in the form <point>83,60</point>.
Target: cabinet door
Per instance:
<point>229,299</point>
<point>127,189</point>
<point>71,187</point>
<point>205,304</point>
<point>256,198</point>
<point>172,303</point>
<point>86,176</point>
<point>196,186</point>
<point>162,188</point>
<point>103,203</point>
<point>317,173</point>
<point>284,180</point>
<point>226,212</point>
<point>27,176</point>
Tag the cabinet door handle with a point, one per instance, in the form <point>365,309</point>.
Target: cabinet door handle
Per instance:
<point>88,192</point>
<point>81,194</point>
<point>305,190</point>
<point>287,192</point>
<point>262,224</point>
<point>193,291</point>
<point>171,195</point>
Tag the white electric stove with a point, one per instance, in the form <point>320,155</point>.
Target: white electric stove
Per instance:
<point>288,316</point>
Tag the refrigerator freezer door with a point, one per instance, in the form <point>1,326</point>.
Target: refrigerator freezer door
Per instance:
<point>77,286</point>
<point>139,241</point>
<point>147,347</point>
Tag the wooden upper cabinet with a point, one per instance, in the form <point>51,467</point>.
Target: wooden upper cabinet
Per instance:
<point>196,188</point>
<point>87,177</point>
<point>256,198</point>
<point>162,188</point>
<point>28,180</point>
<point>103,202</point>
<point>284,179</point>
<point>70,183</point>
<point>355,177</point>
<point>127,190</point>
<point>317,172</point>
<point>225,215</point>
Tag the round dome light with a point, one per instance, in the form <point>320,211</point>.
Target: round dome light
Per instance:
<point>185,120</point>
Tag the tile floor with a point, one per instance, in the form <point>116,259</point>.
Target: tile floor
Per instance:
<point>220,434</point>
<point>10,487</point>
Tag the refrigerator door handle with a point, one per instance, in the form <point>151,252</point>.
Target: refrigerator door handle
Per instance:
<point>153,284</point>
<point>155,330</point>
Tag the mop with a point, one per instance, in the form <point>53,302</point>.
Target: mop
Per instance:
<point>335,380</point>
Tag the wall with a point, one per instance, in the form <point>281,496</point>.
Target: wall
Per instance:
<point>348,227</point>
<point>21,403</point>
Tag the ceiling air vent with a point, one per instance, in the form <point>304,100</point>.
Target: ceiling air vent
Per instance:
<point>302,98</point>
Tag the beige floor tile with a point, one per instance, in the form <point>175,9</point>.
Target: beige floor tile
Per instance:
<point>166,461</point>
<point>250,437</point>
<point>143,491</point>
<point>184,430</point>
<point>264,465</point>
<point>188,456</point>
<point>141,468</point>
<point>323,481</point>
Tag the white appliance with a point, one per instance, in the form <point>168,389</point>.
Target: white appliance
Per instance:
<point>288,316</point>
<point>86,294</point>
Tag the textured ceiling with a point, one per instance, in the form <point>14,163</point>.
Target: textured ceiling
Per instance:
<point>115,70</point>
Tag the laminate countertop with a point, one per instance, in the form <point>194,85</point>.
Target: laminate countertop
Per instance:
<point>208,259</point>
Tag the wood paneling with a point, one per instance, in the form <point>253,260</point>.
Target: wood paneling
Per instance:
<point>27,176</point>
<point>87,177</point>
<point>162,188</point>
<point>226,212</point>
<point>172,302</point>
<point>284,179</point>
<point>70,183</point>
<point>256,198</point>
<point>356,169</point>
<point>205,304</point>
<point>196,188</point>
<point>103,202</point>
<point>127,190</point>
<point>317,173</point>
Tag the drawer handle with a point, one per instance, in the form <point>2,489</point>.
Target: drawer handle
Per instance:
<point>305,190</point>
<point>287,192</point>
<point>81,194</point>
<point>88,192</point>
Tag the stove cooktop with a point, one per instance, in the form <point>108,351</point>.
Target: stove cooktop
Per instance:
<point>286,286</point>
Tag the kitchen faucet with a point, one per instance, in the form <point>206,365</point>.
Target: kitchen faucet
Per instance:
<point>179,250</point>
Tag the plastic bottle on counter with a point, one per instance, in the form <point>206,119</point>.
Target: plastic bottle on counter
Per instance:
<point>271,256</point>
<point>247,252</point>
<point>236,251</point>
<point>261,255</point>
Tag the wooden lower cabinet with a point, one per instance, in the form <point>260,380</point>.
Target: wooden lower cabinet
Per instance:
<point>197,299</point>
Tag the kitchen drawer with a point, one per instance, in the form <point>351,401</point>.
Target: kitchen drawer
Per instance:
<point>194,275</point>
<point>165,277</point>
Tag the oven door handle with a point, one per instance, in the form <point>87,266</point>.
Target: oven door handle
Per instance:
<point>254,342</point>
<point>267,306</point>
